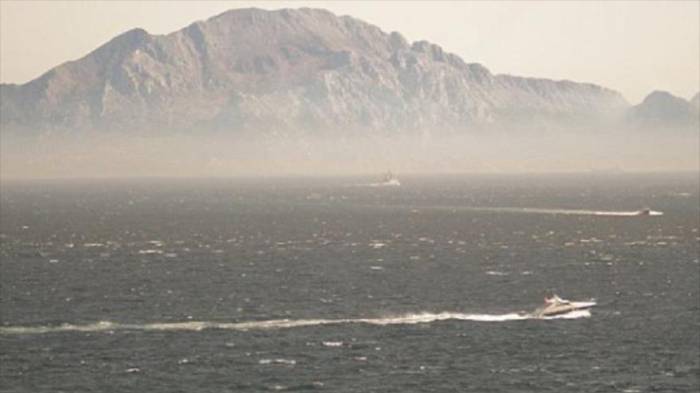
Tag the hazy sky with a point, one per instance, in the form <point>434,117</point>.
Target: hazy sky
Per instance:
<point>632,46</point>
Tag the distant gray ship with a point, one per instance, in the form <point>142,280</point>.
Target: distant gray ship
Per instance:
<point>390,180</point>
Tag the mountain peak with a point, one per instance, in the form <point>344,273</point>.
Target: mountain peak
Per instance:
<point>289,70</point>
<point>134,35</point>
<point>660,96</point>
<point>696,99</point>
<point>663,108</point>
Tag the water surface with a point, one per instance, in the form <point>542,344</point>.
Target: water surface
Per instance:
<point>326,284</point>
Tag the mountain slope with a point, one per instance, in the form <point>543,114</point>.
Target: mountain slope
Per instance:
<point>661,108</point>
<point>286,72</point>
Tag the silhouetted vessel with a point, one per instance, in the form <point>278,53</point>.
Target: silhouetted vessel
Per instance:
<point>643,212</point>
<point>390,180</point>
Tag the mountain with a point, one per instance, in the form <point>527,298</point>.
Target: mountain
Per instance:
<point>289,72</point>
<point>661,108</point>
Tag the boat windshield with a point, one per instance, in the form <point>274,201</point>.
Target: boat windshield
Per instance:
<point>554,299</point>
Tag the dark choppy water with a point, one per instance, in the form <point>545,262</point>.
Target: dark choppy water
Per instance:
<point>222,285</point>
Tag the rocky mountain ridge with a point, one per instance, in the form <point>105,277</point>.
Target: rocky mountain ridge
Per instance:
<point>291,72</point>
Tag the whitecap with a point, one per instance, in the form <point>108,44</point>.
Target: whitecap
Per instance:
<point>150,252</point>
<point>289,362</point>
<point>93,245</point>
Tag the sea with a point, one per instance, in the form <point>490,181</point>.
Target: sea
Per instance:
<point>347,284</point>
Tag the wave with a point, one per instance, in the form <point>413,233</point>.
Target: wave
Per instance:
<point>408,319</point>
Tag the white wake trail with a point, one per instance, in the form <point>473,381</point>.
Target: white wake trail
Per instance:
<point>575,212</point>
<point>407,319</point>
<point>522,210</point>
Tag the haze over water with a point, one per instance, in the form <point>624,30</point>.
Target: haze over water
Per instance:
<point>327,284</point>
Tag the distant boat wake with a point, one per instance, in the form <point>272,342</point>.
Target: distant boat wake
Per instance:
<point>533,210</point>
<point>505,209</point>
<point>628,214</point>
<point>579,212</point>
<point>408,319</point>
<point>389,184</point>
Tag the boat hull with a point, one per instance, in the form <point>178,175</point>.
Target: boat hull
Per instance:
<point>561,309</point>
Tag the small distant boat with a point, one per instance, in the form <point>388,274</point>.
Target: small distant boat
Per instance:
<point>390,180</point>
<point>643,212</point>
<point>555,305</point>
